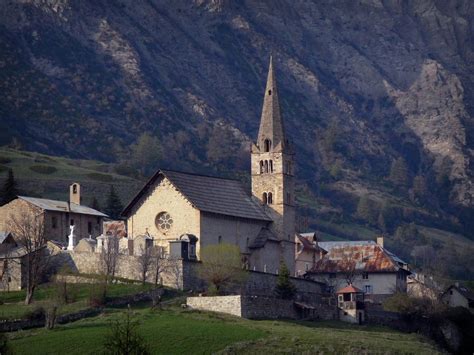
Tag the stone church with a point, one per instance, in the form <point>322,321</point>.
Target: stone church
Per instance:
<point>217,210</point>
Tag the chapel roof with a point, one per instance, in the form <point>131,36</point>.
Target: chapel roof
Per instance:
<point>208,194</point>
<point>61,206</point>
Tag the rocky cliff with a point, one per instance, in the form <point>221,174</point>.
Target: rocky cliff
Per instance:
<point>391,78</point>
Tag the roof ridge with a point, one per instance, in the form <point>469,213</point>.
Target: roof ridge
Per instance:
<point>198,174</point>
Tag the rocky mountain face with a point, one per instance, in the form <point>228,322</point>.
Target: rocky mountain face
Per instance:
<point>389,78</point>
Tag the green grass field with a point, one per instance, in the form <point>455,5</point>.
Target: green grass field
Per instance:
<point>14,308</point>
<point>176,331</point>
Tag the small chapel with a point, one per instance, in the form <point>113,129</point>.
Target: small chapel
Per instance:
<point>214,210</point>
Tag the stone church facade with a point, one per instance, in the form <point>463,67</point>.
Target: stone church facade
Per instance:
<point>218,210</point>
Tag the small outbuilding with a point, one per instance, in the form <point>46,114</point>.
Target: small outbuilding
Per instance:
<point>458,295</point>
<point>350,302</point>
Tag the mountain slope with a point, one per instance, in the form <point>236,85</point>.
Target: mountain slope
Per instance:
<point>361,84</point>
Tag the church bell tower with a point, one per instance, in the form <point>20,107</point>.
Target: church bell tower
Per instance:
<point>272,165</point>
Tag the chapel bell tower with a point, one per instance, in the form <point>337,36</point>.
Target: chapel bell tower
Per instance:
<point>272,165</point>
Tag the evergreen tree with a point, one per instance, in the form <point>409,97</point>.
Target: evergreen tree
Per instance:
<point>399,173</point>
<point>284,288</point>
<point>9,191</point>
<point>95,204</point>
<point>114,205</point>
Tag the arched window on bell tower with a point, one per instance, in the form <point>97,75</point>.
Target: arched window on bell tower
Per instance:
<point>261,166</point>
<point>266,166</point>
<point>271,166</point>
<point>270,198</point>
<point>264,198</point>
<point>267,145</point>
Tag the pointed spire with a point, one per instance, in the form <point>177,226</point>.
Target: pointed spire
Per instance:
<point>271,124</point>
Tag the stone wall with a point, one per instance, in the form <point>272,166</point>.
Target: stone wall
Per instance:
<point>223,304</point>
<point>184,275</point>
<point>260,307</point>
<point>128,267</point>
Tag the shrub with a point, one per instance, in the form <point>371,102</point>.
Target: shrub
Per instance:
<point>43,169</point>
<point>124,338</point>
<point>97,294</point>
<point>4,348</point>
<point>100,177</point>
<point>37,313</point>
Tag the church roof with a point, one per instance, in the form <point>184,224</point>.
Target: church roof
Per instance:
<point>209,194</point>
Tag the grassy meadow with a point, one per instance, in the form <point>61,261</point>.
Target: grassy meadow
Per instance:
<point>177,331</point>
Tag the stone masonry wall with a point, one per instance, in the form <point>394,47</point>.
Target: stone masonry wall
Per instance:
<point>223,304</point>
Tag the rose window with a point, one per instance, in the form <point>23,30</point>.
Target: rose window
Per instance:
<point>164,221</point>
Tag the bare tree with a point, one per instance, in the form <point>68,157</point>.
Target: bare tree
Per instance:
<point>109,258</point>
<point>160,263</point>
<point>174,267</point>
<point>28,230</point>
<point>145,261</point>
<point>221,266</point>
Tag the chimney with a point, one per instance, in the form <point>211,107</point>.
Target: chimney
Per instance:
<point>380,241</point>
<point>75,193</point>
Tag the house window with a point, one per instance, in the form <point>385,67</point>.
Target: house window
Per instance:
<point>98,220</point>
<point>89,227</point>
<point>71,222</point>
<point>451,292</point>
<point>368,289</point>
<point>265,268</point>
<point>332,275</point>
<point>306,266</point>
<point>269,93</point>
<point>54,222</point>
<point>74,189</point>
<point>219,239</point>
<point>365,275</point>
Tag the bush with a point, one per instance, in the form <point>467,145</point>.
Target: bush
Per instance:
<point>97,295</point>
<point>100,177</point>
<point>4,348</point>
<point>124,338</point>
<point>37,313</point>
<point>43,169</point>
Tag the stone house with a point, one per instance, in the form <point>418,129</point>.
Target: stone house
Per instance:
<point>423,286</point>
<point>458,295</point>
<point>218,210</point>
<point>366,265</point>
<point>58,216</point>
<point>307,253</point>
